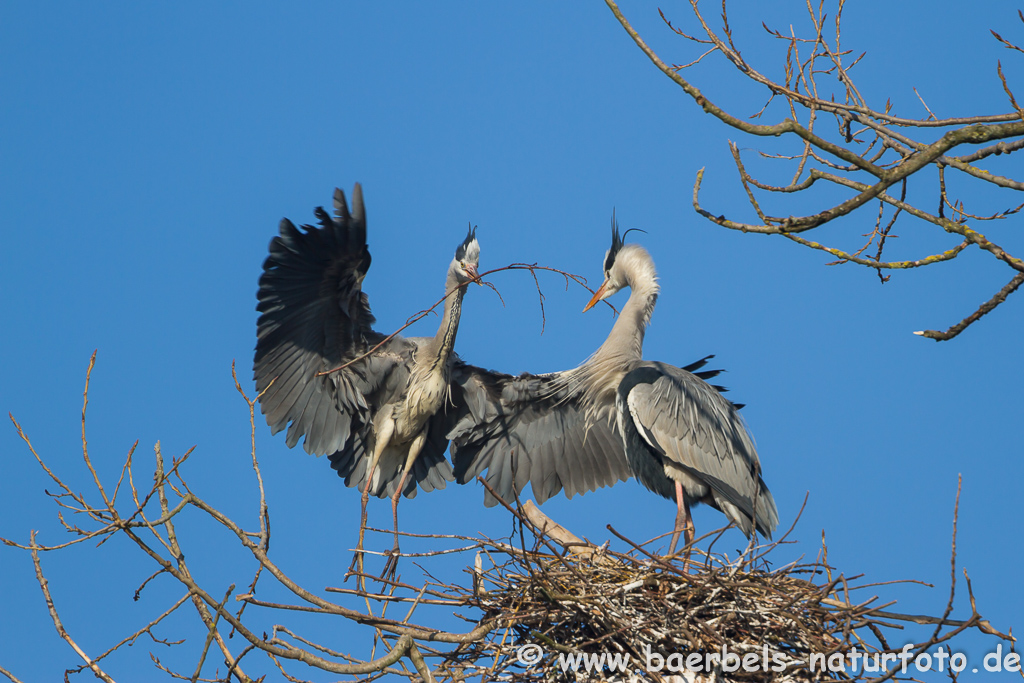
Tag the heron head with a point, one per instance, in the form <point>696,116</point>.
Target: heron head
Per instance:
<point>467,258</point>
<point>614,274</point>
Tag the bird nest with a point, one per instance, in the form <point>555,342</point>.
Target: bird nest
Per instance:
<point>542,605</point>
<point>571,611</point>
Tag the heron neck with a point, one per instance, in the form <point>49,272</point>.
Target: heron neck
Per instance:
<point>600,375</point>
<point>444,340</point>
<point>626,340</point>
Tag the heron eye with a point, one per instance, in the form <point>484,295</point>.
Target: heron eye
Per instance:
<point>462,264</point>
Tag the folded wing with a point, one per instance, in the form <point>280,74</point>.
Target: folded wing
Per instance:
<point>689,423</point>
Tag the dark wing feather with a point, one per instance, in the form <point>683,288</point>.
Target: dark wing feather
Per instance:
<point>694,368</point>
<point>688,422</point>
<point>314,317</point>
<point>525,429</point>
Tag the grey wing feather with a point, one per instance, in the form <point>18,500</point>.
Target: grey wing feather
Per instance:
<point>313,318</point>
<point>525,429</point>
<point>691,424</point>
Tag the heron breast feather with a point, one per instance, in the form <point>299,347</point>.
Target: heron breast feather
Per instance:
<point>422,400</point>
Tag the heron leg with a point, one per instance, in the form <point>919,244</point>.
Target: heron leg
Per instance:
<point>379,444</point>
<point>414,450</point>
<point>684,523</point>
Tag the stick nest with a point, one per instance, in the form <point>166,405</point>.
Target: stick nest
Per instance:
<point>571,598</point>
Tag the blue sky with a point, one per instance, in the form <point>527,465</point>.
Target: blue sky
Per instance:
<point>151,152</point>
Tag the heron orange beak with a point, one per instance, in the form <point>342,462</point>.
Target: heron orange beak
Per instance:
<point>598,295</point>
<point>472,272</point>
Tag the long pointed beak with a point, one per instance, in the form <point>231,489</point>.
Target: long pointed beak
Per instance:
<point>598,295</point>
<point>472,272</point>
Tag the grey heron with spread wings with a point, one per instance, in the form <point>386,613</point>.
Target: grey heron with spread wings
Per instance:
<point>614,416</point>
<point>373,405</point>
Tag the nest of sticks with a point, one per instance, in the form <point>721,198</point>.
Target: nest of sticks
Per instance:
<point>702,617</point>
<point>541,604</point>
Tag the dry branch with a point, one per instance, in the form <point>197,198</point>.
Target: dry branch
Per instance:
<point>542,587</point>
<point>868,151</point>
<point>531,267</point>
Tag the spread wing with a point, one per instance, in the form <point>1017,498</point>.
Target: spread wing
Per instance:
<point>530,429</point>
<point>689,423</point>
<point>314,317</point>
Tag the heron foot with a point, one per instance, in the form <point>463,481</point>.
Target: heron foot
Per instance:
<point>391,565</point>
<point>355,566</point>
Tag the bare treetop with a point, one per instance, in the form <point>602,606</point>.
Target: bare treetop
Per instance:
<point>866,148</point>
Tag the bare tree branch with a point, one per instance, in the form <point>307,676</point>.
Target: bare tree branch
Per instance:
<point>541,586</point>
<point>870,150</point>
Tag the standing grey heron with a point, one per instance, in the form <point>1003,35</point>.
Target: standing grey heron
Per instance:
<point>682,438</point>
<point>375,406</point>
<point>613,416</point>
